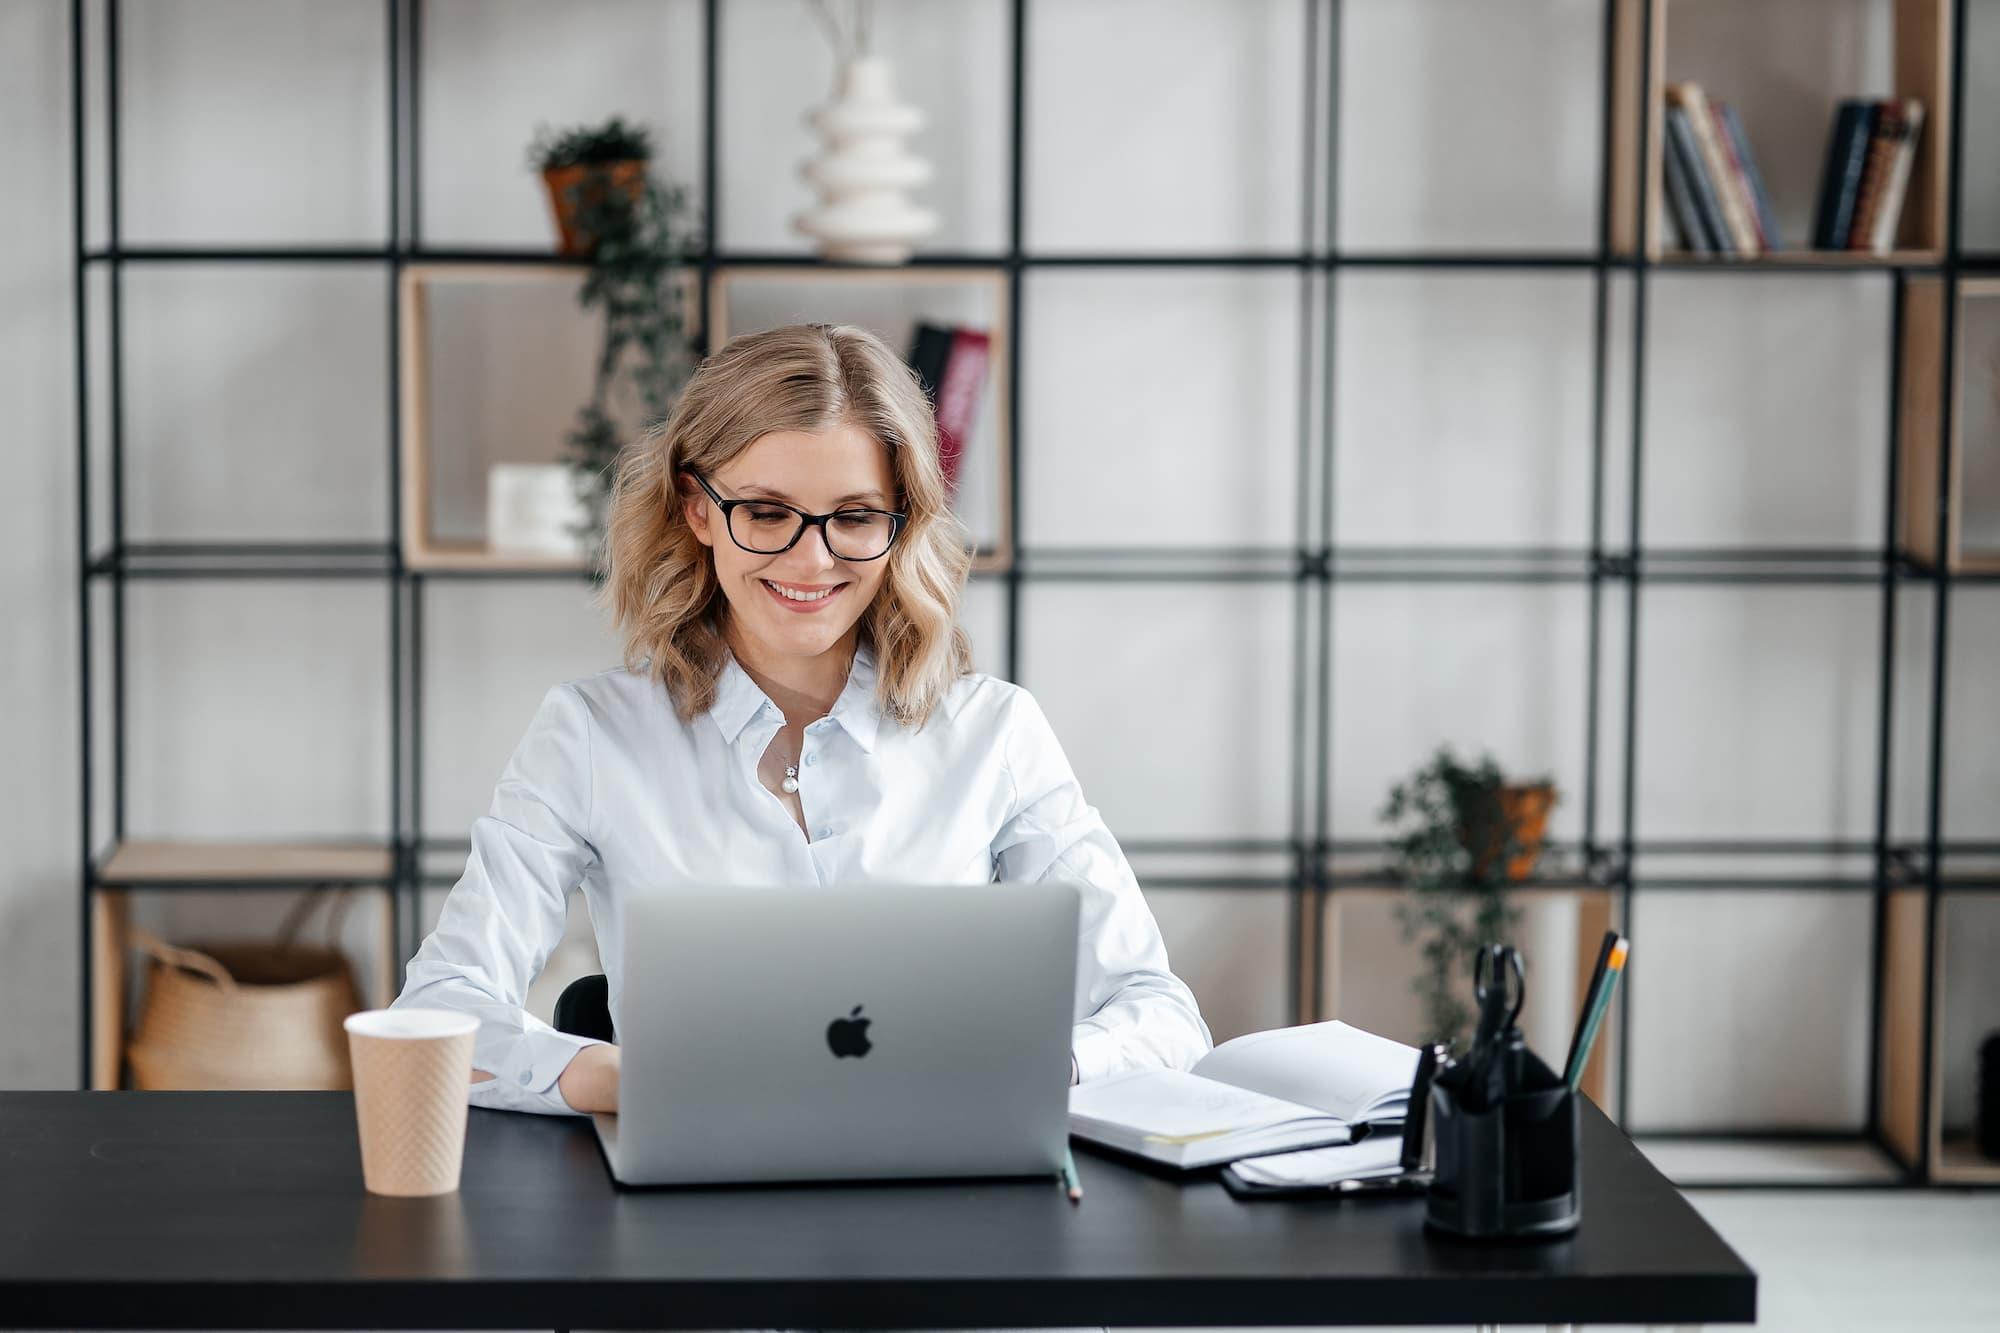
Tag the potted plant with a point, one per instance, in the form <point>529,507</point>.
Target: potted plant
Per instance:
<point>1465,834</point>
<point>638,234</point>
<point>585,166</point>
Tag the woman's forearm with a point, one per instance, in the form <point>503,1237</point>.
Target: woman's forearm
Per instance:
<point>590,1081</point>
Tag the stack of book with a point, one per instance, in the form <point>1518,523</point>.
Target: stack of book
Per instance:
<point>1869,156</point>
<point>950,362</point>
<point>1715,194</point>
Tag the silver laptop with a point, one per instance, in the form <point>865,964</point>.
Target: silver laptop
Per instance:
<point>830,1033</point>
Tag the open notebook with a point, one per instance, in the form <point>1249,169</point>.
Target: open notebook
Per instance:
<point>1266,1092</point>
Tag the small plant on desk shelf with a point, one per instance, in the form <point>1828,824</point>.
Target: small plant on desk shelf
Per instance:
<point>1464,835</point>
<point>636,233</point>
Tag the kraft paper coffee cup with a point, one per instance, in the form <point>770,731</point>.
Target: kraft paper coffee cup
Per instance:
<point>412,1068</point>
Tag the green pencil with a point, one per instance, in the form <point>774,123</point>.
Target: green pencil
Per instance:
<point>1069,1176</point>
<point>1587,1038</point>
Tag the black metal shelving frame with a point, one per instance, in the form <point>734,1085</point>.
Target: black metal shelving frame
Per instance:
<point>1313,565</point>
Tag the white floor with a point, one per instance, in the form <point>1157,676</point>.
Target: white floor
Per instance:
<point>1849,1260</point>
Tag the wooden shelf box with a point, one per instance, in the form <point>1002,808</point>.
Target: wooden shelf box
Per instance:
<point>497,359</point>
<point>1907,950</point>
<point>1727,46</point>
<point>1971,541</point>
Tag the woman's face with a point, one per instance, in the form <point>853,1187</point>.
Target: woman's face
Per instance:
<point>820,473</point>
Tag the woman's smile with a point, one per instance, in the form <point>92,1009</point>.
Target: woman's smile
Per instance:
<point>804,598</point>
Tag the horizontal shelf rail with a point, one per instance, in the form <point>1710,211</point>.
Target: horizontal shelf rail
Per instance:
<point>1796,263</point>
<point>1353,563</point>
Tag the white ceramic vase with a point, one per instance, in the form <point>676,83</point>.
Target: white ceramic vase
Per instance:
<point>866,171</point>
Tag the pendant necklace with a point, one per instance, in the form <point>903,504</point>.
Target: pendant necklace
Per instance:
<point>791,782</point>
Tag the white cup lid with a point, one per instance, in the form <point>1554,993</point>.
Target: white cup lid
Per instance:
<point>411,1023</point>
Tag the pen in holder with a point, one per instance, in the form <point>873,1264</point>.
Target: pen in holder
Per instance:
<point>1503,1126</point>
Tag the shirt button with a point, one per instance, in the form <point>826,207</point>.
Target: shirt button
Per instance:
<point>826,832</point>
<point>812,759</point>
<point>526,1078</point>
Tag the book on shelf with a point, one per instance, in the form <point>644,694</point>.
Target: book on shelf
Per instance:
<point>1715,193</point>
<point>1267,1092</point>
<point>1681,203</point>
<point>1716,163</point>
<point>951,364</point>
<point>1876,162</point>
<point>1886,177</point>
<point>1749,179</point>
<point>1840,179</point>
<point>1888,222</point>
<point>1871,151</point>
<point>1700,217</point>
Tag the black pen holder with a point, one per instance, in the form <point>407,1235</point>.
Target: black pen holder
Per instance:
<point>1508,1170</point>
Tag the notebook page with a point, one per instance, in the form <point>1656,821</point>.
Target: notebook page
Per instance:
<point>1339,1069</point>
<point>1169,1106</point>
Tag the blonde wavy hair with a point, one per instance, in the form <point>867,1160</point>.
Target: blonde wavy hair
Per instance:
<point>660,583</point>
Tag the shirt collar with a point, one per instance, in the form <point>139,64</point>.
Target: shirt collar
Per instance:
<point>739,699</point>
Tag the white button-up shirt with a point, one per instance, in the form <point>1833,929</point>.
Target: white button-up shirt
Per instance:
<point>611,792</point>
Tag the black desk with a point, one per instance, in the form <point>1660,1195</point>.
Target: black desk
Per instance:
<point>246,1210</point>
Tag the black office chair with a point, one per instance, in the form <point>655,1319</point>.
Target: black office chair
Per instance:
<point>584,1009</point>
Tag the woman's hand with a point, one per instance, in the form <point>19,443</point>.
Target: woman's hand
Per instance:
<point>590,1082</point>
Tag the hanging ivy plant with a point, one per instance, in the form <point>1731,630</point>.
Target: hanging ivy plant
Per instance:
<point>641,236</point>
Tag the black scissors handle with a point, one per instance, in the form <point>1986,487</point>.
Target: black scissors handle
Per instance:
<point>1490,986</point>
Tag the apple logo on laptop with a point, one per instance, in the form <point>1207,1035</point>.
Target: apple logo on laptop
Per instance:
<point>849,1035</point>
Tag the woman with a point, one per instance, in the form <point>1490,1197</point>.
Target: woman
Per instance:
<point>798,705</point>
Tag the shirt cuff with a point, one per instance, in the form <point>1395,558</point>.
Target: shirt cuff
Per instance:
<point>547,1055</point>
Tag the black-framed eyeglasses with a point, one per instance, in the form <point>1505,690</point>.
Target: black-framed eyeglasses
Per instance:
<point>772,527</point>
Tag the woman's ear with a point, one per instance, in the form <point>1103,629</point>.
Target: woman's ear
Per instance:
<point>694,505</point>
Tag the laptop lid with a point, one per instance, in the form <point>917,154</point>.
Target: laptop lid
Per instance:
<point>833,1032</point>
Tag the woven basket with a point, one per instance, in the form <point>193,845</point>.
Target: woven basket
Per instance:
<point>246,1014</point>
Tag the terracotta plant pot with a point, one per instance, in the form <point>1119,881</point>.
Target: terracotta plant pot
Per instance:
<point>1523,810</point>
<point>573,188</point>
